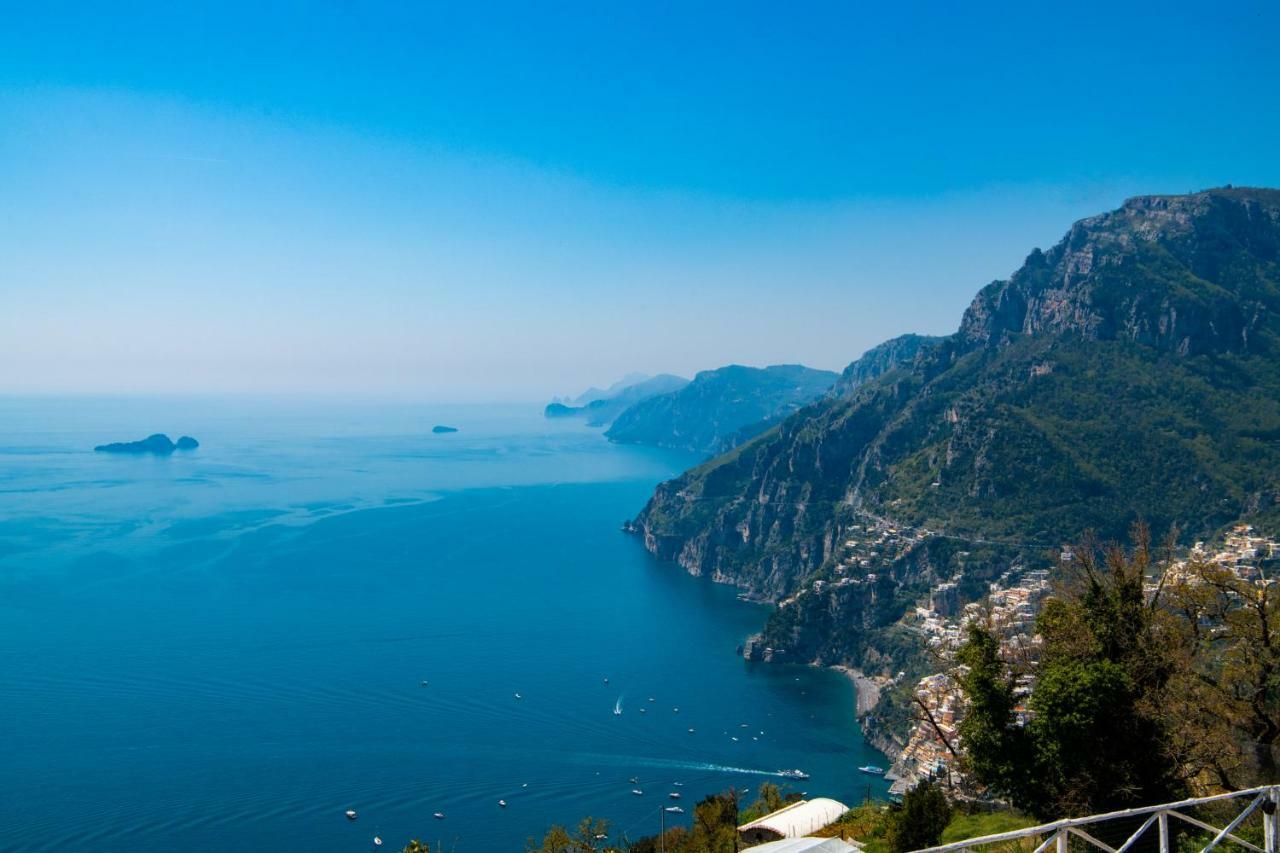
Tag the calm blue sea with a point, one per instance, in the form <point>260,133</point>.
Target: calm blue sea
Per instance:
<point>225,650</point>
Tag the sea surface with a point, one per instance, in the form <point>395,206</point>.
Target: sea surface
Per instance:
<point>328,607</point>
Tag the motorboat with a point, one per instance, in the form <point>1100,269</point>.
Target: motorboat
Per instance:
<point>351,814</point>
<point>872,770</point>
<point>793,774</point>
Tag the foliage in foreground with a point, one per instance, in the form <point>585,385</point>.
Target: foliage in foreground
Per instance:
<point>1140,698</point>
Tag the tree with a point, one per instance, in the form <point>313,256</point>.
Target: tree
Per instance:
<point>1098,738</point>
<point>715,825</point>
<point>1225,631</point>
<point>416,846</point>
<point>999,753</point>
<point>919,823</point>
<point>770,799</point>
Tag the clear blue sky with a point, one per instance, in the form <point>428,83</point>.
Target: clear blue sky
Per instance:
<point>510,201</point>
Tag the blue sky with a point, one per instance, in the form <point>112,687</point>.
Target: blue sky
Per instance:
<point>485,202</point>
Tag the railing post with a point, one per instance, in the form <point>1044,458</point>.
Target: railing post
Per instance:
<point>1269,833</point>
<point>1062,841</point>
<point>1163,820</point>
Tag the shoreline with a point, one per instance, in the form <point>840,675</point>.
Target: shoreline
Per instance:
<point>866,689</point>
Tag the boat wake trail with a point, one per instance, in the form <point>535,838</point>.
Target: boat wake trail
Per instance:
<point>677,764</point>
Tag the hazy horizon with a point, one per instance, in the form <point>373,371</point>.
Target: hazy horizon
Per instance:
<point>457,206</point>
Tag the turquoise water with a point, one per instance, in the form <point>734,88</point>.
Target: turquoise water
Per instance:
<point>225,650</point>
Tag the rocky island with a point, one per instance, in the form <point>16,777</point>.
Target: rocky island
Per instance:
<point>440,429</point>
<point>158,444</point>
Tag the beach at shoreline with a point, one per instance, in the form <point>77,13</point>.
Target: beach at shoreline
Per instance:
<point>867,689</point>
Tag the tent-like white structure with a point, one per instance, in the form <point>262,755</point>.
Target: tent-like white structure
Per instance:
<point>806,845</point>
<point>794,821</point>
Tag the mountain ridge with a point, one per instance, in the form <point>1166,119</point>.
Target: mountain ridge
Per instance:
<point>720,408</point>
<point>1127,372</point>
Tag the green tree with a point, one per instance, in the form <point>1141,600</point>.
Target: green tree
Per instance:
<point>715,825</point>
<point>416,846</point>
<point>1098,738</point>
<point>919,823</point>
<point>769,799</point>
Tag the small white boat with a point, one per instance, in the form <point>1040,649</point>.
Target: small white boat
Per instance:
<point>651,699</point>
<point>634,780</point>
<point>438,815</point>
<point>525,785</point>
<point>793,774</point>
<point>617,708</point>
<point>872,769</point>
<point>518,696</point>
<point>377,842</point>
<point>637,792</point>
<point>424,683</point>
<point>690,729</point>
<point>351,814</point>
<point>674,810</point>
<point>674,795</point>
<point>678,784</point>
<point>675,710</point>
<point>642,710</point>
<point>502,803</point>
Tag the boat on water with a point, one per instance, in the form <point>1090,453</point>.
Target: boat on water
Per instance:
<point>617,708</point>
<point>637,792</point>
<point>351,814</point>
<point>674,795</point>
<point>438,815</point>
<point>678,784</point>
<point>518,696</point>
<point>377,842</point>
<point>872,769</point>
<point>634,780</point>
<point>502,804</point>
<point>793,774</point>
<point>674,810</point>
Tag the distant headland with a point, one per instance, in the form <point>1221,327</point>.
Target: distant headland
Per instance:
<point>441,428</point>
<point>158,444</point>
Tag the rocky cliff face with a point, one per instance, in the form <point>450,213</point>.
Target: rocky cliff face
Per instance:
<point>1131,370</point>
<point>898,352</point>
<point>1187,274</point>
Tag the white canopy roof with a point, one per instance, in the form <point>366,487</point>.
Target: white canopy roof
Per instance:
<point>799,819</point>
<point>806,845</point>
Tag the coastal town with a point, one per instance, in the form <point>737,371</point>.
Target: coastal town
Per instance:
<point>1009,609</point>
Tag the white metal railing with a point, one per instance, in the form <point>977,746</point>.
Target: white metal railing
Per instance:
<point>1058,834</point>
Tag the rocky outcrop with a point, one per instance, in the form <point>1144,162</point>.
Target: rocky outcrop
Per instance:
<point>158,444</point>
<point>898,352</point>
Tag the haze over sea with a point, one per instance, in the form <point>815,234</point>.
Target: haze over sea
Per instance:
<point>225,649</point>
